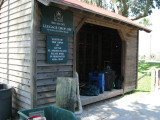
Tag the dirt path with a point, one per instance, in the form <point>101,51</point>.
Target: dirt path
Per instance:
<point>138,106</point>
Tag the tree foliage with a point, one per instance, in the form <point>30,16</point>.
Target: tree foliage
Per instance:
<point>135,9</point>
<point>145,22</point>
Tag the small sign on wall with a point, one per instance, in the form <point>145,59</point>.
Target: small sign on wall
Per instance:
<point>57,49</point>
<point>56,21</point>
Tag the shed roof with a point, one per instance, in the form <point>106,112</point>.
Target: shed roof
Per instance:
<point>96,10</point>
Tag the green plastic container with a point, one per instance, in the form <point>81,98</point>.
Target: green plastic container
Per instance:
<point>50,112</point>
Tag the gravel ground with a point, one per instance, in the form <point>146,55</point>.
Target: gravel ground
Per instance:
<point>139,106</point>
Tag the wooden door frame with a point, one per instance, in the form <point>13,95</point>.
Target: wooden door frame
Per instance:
<point>76,30</point>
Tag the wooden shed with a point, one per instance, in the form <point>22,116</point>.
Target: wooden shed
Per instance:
<point>85,37</point>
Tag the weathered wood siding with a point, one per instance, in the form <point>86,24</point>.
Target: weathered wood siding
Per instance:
<point>46,74</point>
<point>131,60</point>
<point>15,37</point>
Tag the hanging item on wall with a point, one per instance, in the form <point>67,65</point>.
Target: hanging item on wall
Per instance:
<point>57,49</point>
<point>56,21</point>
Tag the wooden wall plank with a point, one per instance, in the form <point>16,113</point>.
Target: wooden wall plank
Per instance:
<point>19,74</point>
<point>46,94</point>
<point>15,40</point>
<point>23,6</point>
<point>2,65</point>
<point>17,3</point>
<point>21,104</point>
<point>20,20</point>
<point>54,75</point>
<point>43,82</point>
<point>19,62</point>
<point>131,61</point>
<point>57,68</point>
<point>21,56</point>
<point>4,40</point>
<point>22,93</point>
<point>46,100</point>
<point>47,104</point>
<point>46,88</point>
<point>42,56</point>
<point>3,55</point>
<point>20,68</point>
<point>22,44</point>
<point>16,33</point>
<point>19,80</point>
<point>20,86</point>
<point>3,70</point>
<point>20,14</point>
<point>21,98</point>
<point>20,26</point>
<point>26,37</point>
<point>42,61</point>
<point>3,45</point>
<point>19,50</point>
<point>3,61</point>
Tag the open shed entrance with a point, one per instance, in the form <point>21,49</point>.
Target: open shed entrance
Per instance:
<point>98,47</point>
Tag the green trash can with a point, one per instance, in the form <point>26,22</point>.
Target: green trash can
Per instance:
<point>50,112</point>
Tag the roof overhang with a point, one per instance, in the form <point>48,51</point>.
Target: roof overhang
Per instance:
<point>96,10</point>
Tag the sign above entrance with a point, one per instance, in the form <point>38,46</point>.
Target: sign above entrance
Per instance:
<point>56,21</point>
<point>57,49</point>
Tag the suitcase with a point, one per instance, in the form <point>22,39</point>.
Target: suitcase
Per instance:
<point>97,79</point>
<point>109,79</point>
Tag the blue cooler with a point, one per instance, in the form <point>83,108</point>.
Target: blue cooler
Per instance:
<point>98,80</point>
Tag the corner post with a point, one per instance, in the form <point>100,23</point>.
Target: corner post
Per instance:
<point>75,36</point>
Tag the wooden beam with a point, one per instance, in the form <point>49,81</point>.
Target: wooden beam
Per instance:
<point>44,2</point>
<point>105,24</point>
<point>79,25</point>
<point>8,41</point>
<point>122,35</point>
<point>33,56</point>
<point>137,57</point>
<point>60,6</point>
<point>75,36</point>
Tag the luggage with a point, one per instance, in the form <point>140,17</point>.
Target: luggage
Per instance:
<point>97,79</point>
<point>89,90</point>
<point>109,79</point>
<point>118,82</point>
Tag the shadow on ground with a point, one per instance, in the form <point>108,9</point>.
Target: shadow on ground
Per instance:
<point>121,109</point>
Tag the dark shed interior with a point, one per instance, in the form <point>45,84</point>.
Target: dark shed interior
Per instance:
<point>98,47</point>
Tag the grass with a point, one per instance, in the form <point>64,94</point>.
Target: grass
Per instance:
<point>144,85</point>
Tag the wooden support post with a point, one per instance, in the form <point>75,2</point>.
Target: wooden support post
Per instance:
<point>153,78</point>
<point>157,79</point>
<point>137,57</point>
<point>75,36</point>
<point>33,56</point>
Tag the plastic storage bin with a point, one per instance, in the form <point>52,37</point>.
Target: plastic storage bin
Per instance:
<point>5,101</point>
<point>97,79</point>
<point>50,112</point>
